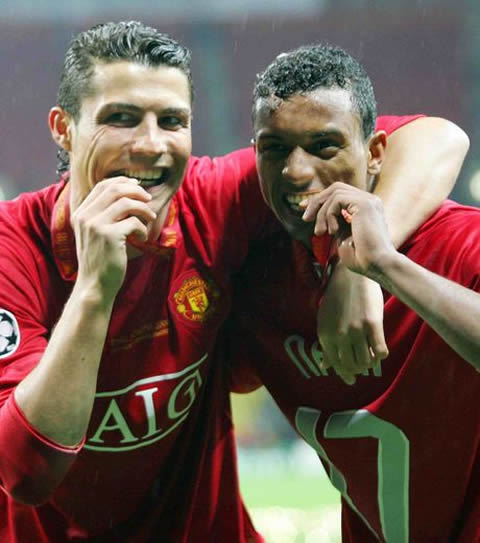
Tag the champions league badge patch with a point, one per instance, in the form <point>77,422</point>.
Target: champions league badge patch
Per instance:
<point>9,333</point>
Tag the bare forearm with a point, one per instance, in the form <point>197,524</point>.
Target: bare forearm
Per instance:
<point>57,396</point>
<point>452,310</point>
<point>421,165</point>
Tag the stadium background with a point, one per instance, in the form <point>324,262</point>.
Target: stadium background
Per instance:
<point>422,55</point>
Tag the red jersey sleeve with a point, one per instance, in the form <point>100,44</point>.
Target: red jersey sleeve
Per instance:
<point>31,465</point>
<point>390,123</point>
<point>226,206</point>
<point>231,182</point>
<point>453,232</point>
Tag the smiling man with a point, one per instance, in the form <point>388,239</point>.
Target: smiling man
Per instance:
<point>401,444</point>
<point>114,416</point>
<point>114,423</point>
<point>292,131</point>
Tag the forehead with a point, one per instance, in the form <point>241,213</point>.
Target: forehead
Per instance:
<point>129,82</point>
<point>312,112</point>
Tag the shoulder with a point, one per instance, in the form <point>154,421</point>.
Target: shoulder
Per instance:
<point>228,172</point>
<point>390,123</point>
<point>451,218</point>
<point>449,242</point>
<point>25,222</point>
<point>30,207</point>
<point>225,191</point>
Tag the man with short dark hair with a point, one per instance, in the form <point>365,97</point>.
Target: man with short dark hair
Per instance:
<point>114,423</point>
<point>114,416</point>
<point>401,444</point>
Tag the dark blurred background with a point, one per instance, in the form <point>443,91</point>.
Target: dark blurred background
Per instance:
<point>423,56</point>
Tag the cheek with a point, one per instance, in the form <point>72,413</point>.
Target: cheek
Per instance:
<point>265,187</point>
<point>356,175</point>
<point>182,144</point>
<point>268,176</point>
<point>105,149</point>
<point>339,170</point>
<point>97,143</point>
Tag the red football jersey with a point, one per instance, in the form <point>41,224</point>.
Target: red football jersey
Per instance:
<point>158,462</point>
<point>402,444</point>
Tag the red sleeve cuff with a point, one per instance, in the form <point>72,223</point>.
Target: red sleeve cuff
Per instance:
<point>390,123</point>
<point>31,465</point>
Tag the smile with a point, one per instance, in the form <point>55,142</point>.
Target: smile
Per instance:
<point>293,200</point>
<point>148,178</point>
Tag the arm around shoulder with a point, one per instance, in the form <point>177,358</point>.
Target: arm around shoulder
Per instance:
<point>451,309</point>
<point>421,165</point>
<point>446,298</point>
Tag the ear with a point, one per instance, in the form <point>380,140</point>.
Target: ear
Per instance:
<point>376,151</point>
<point>59,122</point>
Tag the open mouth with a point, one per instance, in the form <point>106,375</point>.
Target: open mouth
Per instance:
<point>293,199</point>
<point>148,178</point>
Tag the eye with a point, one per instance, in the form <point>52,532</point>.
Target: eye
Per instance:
<point>272,150</point>
<point>173,122</point>
<point>122,118</point>
<point>324,149</point>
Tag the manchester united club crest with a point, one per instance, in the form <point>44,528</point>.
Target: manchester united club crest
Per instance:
<point>197,299</point>
<point>9,333</point>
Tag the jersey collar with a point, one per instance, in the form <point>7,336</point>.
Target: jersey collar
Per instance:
<point>63,238</point>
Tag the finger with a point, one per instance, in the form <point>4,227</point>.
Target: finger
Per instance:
<point>322,206</point>
<point>109,190</point>
<point>347,253</point>
<point>364,356</point>
<point>347,363</point>
<point>375,361</point>
<point>321,226</point>
<point>335,210</point>
<point>131,226</point>
<point>347,378</point>
<point>315,199</point>
<point>327,216</point>
<point>376,340</point>
<point>330,356</point>
<point>123,208</point>
<point>312,203</point>
<point>346,216</point>
<point>315,208</point>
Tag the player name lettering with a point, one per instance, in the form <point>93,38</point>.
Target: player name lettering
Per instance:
<point>307,358</point>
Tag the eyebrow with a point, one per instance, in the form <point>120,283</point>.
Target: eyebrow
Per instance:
<point>325,133</point>
<point>310,134</point>
<point>132,108</point>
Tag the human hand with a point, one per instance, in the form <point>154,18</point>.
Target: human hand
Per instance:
<point>355,217</point>
<point>113,210</point>
<point>350,324</point>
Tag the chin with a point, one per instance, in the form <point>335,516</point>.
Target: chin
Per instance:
<point>299,234</point>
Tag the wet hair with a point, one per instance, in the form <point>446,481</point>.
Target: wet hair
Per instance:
<point>310,67</point>
<point>109,42</point>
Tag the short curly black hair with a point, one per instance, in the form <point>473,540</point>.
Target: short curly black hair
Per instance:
<point>109,42</point>
<point>316,66</point>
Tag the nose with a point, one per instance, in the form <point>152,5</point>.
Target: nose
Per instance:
<point>149,139</point>
<point>298,167</point>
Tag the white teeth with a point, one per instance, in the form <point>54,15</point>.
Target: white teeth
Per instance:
<point>146,175</point>
<point>295,198</point>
